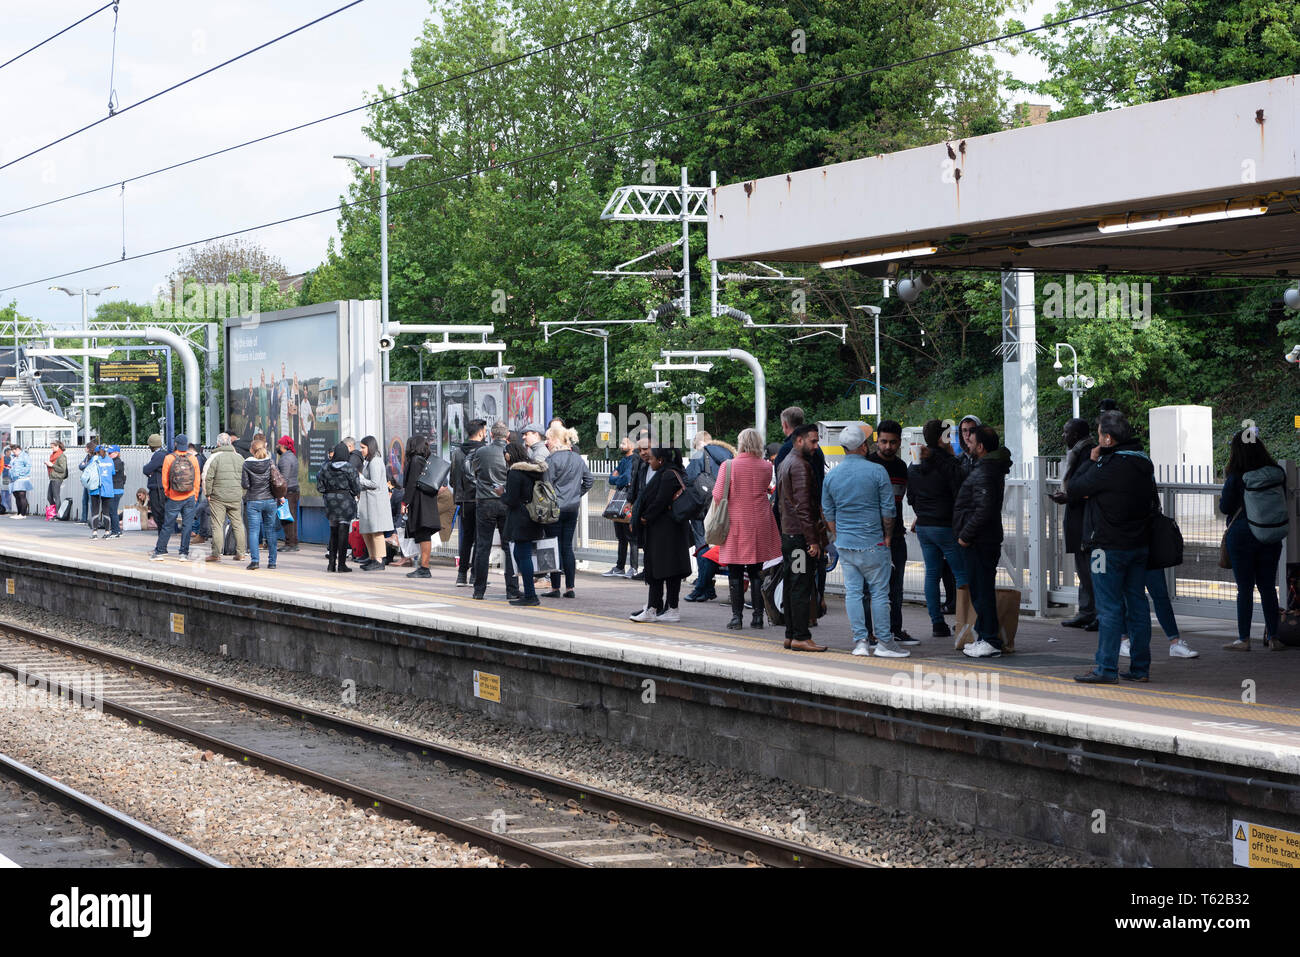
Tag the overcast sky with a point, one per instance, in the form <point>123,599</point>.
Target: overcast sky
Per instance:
<point>65,84</point>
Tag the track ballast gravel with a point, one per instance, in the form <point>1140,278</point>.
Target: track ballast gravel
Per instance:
<point>805,815</point>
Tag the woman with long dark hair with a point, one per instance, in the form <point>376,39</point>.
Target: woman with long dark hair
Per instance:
<point>521,531</point>
<point>419,507</point>
<point>666,541</point>
<point>1255,499</point>
<point>374,508</point>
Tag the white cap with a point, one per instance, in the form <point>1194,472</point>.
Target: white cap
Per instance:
<point>852,437</point>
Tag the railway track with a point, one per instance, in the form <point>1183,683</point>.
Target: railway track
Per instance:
<point>45,823</point>
<point>525,817</point>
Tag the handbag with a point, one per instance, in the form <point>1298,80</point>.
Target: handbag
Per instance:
<point>1224,560</point>
<point>617,510</point>
<point>683,507</point>
<point>546,555</point>
<point>717,523</point>
<point>434,475</point>
<point>1166,547</point>
<point>284,512</point>
<point>279,487</point>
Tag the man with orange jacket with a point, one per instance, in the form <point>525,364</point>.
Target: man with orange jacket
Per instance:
<point>181,481</point>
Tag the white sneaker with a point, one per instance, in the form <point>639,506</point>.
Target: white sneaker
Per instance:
<point>645,614</point>
<point>862,649</point>
<point>981,649</point>
<point>669,614</point>
<point>158,557</point>
<point>889,649</point>
<point>1179,649</point>
<point>94,534</point>
<point>1123,649</point>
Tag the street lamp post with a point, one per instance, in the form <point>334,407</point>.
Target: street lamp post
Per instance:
<point>85,360</point>
<point>1075,384</point>
<point>874,312</point>
<point>382,163</point>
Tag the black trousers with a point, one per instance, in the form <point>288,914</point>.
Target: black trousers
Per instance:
<point>338,551</point>
<point>491,516</point>
<point>468,535</point>
<point>800,576</point>
<point>622,531</point>
<point>157,505</point>
<point>657,587</point>
<point>1083,567</point>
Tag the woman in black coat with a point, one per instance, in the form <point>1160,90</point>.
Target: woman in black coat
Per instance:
<point>666,542</point>
<point>339,485</point>
<point>419,507</point>
<point>521,530</point>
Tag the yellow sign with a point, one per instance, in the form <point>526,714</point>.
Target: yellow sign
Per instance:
<point>487,687</point>
<point>1257,846</point>
<point>1297,421</point>
<point>178,624</point>
<point>9,586</point>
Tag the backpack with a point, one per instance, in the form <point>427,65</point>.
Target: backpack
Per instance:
<point>181,476</point>
<point>90,478</point>
<point>1265,503</point>
<point>700,491</point>
<point>544,507</point>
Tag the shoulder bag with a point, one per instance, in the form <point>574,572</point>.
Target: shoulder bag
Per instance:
<point>684,506</point>
<point>1166,547</point>
<point>1224,560</point>
<point>717,522</point>
<point>434,475</point>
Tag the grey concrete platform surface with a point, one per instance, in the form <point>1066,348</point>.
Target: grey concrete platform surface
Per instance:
<point>1227,714</point>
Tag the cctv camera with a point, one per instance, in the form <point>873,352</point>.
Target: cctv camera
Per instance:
<point>500,370</point>
<point>1294,355</point>
<point>386,343</point>
<point>657,387</point>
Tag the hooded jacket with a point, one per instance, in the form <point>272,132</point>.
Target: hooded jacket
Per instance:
<point>489,467</point>
<point>1075,458</point>
<point>255,478</point>
<point>964,458</point>
<point>58,467</point>
<point>338,484</point>
<point>463,485</point>
<point>932,486</point>
<point>1120,490</point>
<point>153,468</point>
<point>223,476</point>
<point>977,510</point>
<point>521,478</point>
<point>717,453</point>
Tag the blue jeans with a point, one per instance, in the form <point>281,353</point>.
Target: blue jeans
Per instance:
<point>1254,566</point>
<point>937,543</point>
<point>980,561</point>
<point>261,524</point>
<point>871,566</point>
<point>1121,590</point>
<point>524,566</point>
<point>1158,589</point>
<point>567,525</point>
<point>171,509</point>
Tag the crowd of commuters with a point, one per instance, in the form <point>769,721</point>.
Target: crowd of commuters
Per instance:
<point>791,519</point>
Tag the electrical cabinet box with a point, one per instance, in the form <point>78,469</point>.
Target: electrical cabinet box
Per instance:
<point>1182,440</point>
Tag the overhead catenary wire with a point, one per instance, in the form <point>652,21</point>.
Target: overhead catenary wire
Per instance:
<point>364,106</point>
<point>586,143</point>
<point>177,86</point>
<point>15,59</point>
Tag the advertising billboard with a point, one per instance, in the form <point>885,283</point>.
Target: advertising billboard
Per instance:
<point>455,413</point>
<point>283,374</point>
<point>489,401</point>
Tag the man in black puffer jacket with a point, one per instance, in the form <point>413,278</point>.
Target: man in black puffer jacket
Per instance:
<point>490,473</point>
<point>464,489</point>
<point>932,488</point>
<point>1118,483</point>
<point>977,523</point>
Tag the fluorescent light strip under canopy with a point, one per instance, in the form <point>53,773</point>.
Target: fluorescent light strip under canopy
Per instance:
<point>879,255</point>
<point>1214,212</point>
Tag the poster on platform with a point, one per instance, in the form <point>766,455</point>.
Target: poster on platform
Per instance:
<point>489,401</point>
<point>525,404</point>
<point>282,380</point>
<point>455,410</point>
<point>397,424</point>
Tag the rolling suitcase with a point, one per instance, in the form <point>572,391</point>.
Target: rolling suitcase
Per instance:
<point>65,511</point>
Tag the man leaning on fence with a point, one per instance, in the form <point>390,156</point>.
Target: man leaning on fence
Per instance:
<point>1119,486</point>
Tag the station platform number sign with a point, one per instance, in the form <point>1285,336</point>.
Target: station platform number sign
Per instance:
<point>1254,845</point>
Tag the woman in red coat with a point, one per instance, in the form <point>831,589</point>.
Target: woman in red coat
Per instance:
<point>752,535</point>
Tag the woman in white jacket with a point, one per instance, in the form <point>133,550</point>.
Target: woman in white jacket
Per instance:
<point>374,510</point>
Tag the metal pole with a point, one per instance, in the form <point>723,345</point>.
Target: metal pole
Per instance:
<point>713,263</point>
<point>686,250</point>
<point>604,342</point>
<point>85,370</point>
<point>383,252</point>
<point>1074,386</point>
<point>877,375</point>
<point>169,410</point>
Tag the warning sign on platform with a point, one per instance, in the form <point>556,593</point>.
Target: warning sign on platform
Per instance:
<point>178,623</point>
<point>487,687</point>
<point>1256,846</point>
<point>113,372</point>
<point>9,586</point>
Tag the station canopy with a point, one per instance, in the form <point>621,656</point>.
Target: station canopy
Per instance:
<point>1207,184</point>
<point>32,417</point>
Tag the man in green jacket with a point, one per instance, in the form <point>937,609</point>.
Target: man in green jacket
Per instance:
<point>221,483</point>
<point>57,467</point>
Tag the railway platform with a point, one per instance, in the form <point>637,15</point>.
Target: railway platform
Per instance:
<point>1136,774</point>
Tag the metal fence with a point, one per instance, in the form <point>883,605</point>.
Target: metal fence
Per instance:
<point>134,457</point>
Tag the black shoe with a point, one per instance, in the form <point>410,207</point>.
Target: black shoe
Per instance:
<point>477,596</point>
<point>638,577</point>
<point>331,567</point>
<point>1129,676</point>
<point>757,620</point>
<point>940,629</point>
<point>1094,625</point>
<point>737,595</point>
<point>419,573</point>
<point>553,593</point>
<point>251,566</point>
<point>270,564</point>
<point>950,609</point>
<point>460,581</point>
<point>513,594</point>
<point>374,567</point>
<point>366,563</point>
<point>344,568</point>
<point>736,623</point>
<point>903,638</point>
<point>570,594</point>
<point>1092,678</point>
<point>1078,621</point>
<point>694,596</point>
<point>522,601</point>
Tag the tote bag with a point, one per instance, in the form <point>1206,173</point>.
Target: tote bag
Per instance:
<point>717,524</point>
